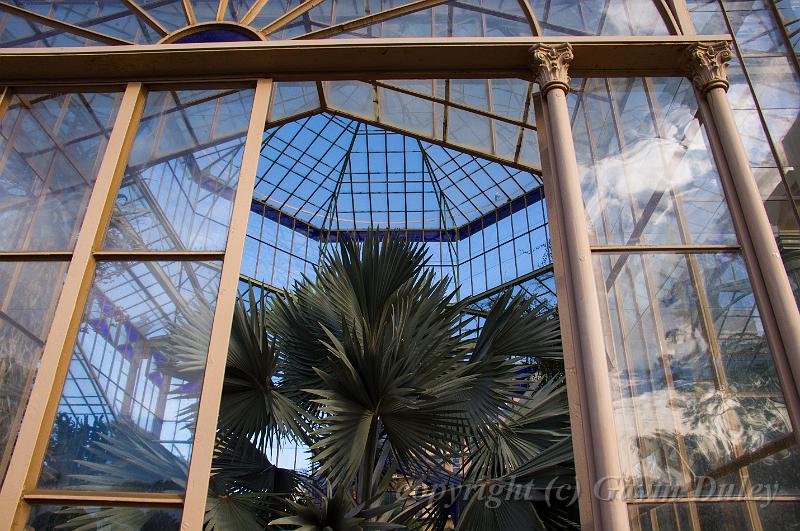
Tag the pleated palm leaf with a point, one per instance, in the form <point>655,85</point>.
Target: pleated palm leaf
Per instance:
<point>381,354</point>
<point>376,368</point>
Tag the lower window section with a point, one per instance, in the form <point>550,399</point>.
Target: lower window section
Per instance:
<point>26,312</point>
<point>715,516</point>
<point>54,517</point>
<point>126,416</point>
<point>699,408</point>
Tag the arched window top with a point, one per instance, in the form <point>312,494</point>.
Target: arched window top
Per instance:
<point>119,22</point>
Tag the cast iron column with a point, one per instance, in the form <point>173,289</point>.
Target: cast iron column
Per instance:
<point>551,63</point>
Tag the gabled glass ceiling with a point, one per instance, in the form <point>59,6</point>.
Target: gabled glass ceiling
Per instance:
<point>490,118</point>
<point>334,173</point>
<point>46,23</point>
<point>324,176</point>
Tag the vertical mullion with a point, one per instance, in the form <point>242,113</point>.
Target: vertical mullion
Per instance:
<point>683,16</point>
<point>668,17</point>
<point>533,22</point>
<point>5,99</point>
<point>34,432</point>
<point>189,11</point>
<point>208,409</point>
<point>223,5</point>
<point>253,12</point>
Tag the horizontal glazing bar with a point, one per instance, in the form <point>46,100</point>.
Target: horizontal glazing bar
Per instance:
<point>712,499</point>
<point>40,496</point>
<point>485,57</point>
<point>642,249</point>
<point>417,235</point>
<point>36,256</point>
<point>158,255</point>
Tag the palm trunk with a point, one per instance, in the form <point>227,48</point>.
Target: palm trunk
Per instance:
<point>364,488</point>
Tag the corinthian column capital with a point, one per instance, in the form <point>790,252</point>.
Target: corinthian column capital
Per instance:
<point>708,65</point>
<point>551,65</point>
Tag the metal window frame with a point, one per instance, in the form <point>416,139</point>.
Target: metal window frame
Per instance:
<point>262,62</point>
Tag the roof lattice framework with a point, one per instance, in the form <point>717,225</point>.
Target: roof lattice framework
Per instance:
<point>29,23</point>
<point>336,173</point>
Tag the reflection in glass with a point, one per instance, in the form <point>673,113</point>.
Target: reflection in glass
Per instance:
<point>52,518</point>
<point>26,311</point>
<point>109,17</point>
<point>450,18</point>
<point>723,516</point>
<point>126,414</point>
<point>599,17</point>
<point>19,32</point>
<point>178,188</point>
<point>126,22</point>
<point>695,389</point>
<point>648,175</point>
<point>51,146</point>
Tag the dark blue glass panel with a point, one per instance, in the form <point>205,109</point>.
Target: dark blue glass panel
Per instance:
<point>216,35</point>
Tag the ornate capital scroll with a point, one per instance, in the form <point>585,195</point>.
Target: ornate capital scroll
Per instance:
<point>550,65</point>
<point>708,65</point>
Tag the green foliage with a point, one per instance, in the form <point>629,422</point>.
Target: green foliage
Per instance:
<point>376,368</point>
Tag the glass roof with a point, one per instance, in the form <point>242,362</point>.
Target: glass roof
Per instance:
<point>379,179</point>
<point>325,176</point>
<point>49,23</point>
<point>490,118</point>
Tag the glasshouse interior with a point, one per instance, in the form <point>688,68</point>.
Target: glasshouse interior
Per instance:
<point>343,265</point>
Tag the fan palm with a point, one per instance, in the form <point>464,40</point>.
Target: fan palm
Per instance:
<point>415,414</point>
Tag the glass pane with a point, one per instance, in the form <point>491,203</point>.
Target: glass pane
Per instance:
<point>109,17</point>
<point>291,98</point>
<point>51,146</point>
<point>352,97</point>
<point>599,17</point>
<point>694,386</point>
<point>126,414</point>
<point>648,175</point>
<point>407,105</point>
<point>26,311</point>
<point>408,112</point>
<point>19,32</point>
<point>468,18</point>
<point>178,188</point>
<point>205,10</point>
<point>271,11</point>
<point>238,9</point>
<point>169,13</point>
<point>757,515</point>
<point>53,517</point>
